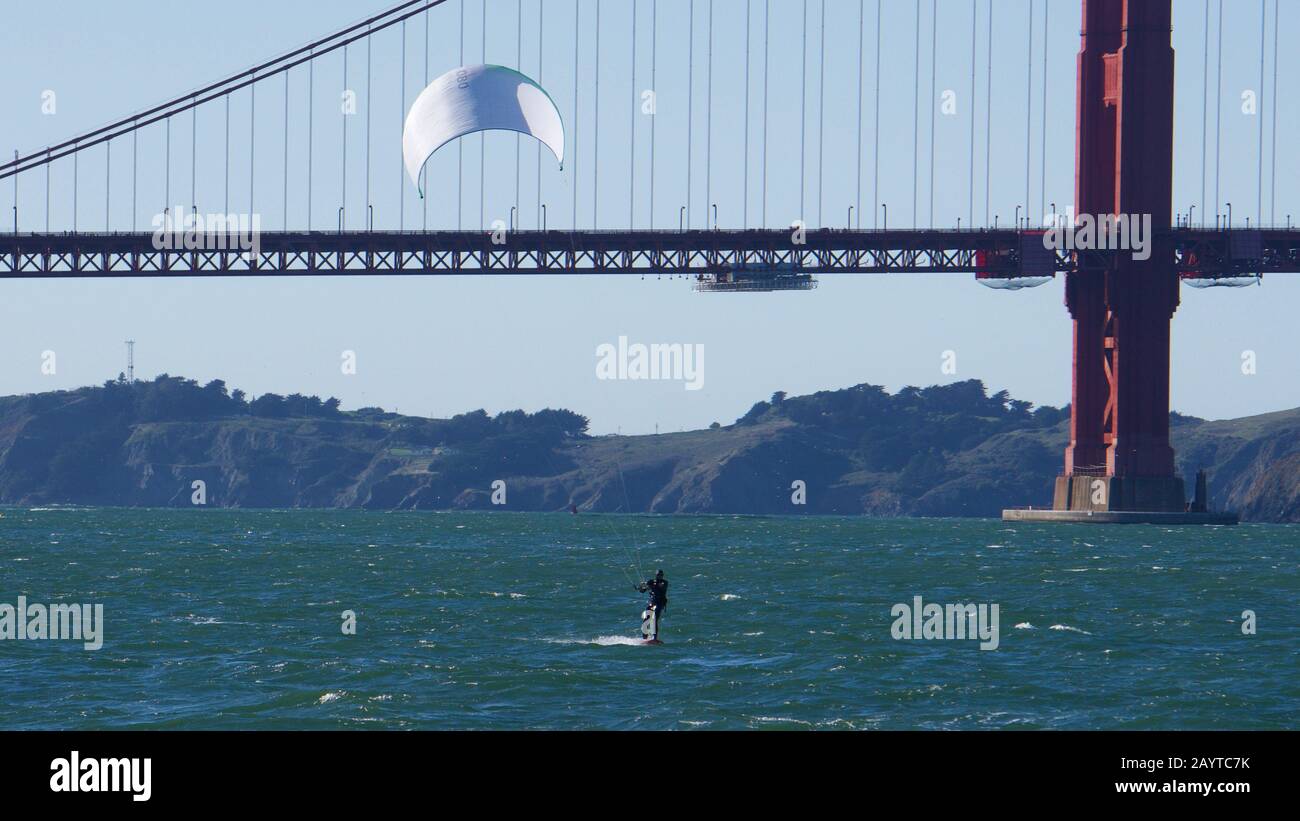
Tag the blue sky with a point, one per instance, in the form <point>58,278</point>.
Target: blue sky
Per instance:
<point>438,346</point>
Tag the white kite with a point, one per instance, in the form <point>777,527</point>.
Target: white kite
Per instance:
<point>470,99</point>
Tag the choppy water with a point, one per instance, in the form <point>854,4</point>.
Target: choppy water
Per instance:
<point>231,619</point>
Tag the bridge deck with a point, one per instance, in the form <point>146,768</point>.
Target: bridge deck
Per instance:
<point>998,253</point>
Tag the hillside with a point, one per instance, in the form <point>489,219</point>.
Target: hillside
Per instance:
<point>948,450</point>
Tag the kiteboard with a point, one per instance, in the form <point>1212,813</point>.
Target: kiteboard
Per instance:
<point>650,625</point>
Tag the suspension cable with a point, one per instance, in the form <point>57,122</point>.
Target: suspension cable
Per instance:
<point>215,91</point>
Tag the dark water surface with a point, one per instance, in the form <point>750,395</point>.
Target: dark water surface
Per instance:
<point>232,619</point>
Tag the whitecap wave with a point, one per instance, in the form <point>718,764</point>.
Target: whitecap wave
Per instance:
<point>1070,629</point>
<point>1024,625</point>
<point>605,641</point>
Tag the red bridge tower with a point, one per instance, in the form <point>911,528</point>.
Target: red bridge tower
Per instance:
<point>1119,457</point>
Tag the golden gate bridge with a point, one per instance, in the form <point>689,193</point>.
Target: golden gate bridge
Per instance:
<point>1119,465</point>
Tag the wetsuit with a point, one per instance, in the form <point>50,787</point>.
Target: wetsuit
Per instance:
<point>658,590</point>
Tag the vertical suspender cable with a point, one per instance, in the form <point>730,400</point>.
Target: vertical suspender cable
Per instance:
<point>227,203</point>
<point>482,155</point>
<point>934,90</point>
<point>1205,107</point>
<point>690,106</point>
<point>654,101</point>
<point>1218,118</point>
<point>916,113</point>
<point>343,209</point>
<point>108,185</point>
<point>1042,176</point>
<point>167,169</point>
<point>1263,54</point>
<point>821,123</point>
<point>541,24</point>
<point>460,144</point>
<point>311,112</point>
<point>974,19</point>
<point>631,220</point>
<point>370,201</point>
<point>424,204</point>
<point>595,137</point>
<point>76,155</point>
<point>135,173</point>
<point>286,151</point>
<point>401,111</point>
<point>875,151</point>
<point>1029,112</point>
<point>988,125</point>
<point>194,150</point>
<point>767,84</point>
<point>47,195</point>
<point>252,145</point>
<point>862,27</point>
<point>519,144</point>
<point>708,127</point>
<point>748,45</point>
<point>577,48</point>
<point>1272,215</point>
<point>803,122</point>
